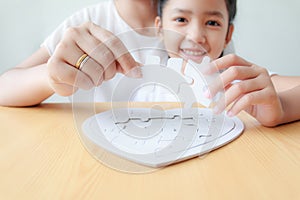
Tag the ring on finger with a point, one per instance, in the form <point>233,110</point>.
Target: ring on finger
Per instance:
<point>81,61</point>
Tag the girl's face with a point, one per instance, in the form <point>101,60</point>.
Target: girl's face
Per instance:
<point>193,29</point>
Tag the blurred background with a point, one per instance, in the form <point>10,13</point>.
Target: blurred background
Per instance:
<point>266,32</point>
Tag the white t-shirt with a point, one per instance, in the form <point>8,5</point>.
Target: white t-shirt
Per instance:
<point>106,16</point>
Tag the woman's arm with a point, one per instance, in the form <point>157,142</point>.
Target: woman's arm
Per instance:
<point>40,76</point>
<point>27,84</point>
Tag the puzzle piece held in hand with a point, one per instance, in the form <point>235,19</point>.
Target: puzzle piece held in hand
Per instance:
<point>167,83</point>
<point>195,79</point>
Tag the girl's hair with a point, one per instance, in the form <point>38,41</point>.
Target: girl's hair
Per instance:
<point>230,4</point>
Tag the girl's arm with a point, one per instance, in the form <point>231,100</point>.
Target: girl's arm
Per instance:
<point>282,83</point>
<point>290,104</point>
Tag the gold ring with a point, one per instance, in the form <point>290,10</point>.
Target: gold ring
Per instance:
<point>80,60</point>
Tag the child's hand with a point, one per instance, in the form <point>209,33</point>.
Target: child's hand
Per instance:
<point>254,92</point>
<point>107,56</point>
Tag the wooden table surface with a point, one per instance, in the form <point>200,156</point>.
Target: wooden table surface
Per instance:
<point>43,157</point>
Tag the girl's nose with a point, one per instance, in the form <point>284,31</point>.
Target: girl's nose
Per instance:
<point>197,34</point>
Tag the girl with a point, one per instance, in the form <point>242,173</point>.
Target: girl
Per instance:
<point>205,29</point>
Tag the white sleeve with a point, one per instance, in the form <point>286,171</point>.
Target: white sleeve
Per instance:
<point>272,73</point>
<point>230,49</point>
<point>75,20</point>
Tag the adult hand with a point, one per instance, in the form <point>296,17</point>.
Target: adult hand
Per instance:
<point>253,92</point>
<point>107,56</point>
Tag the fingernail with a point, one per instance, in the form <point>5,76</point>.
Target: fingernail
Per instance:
<point>230,114</point>
<point>208,69</point>
<point>136,73</point>
<point>216,110</point>
<point>206,92</point>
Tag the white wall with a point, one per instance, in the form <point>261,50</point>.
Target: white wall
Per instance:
<point>267,31</point>
<point>24,24</point>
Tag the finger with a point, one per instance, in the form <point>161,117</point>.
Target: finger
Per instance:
<point>251,99</point>
<point>116,46</point>
<point>94,71</point>
<point>235,74</point>
<point>68,52</point>
<point>110,65</point>
<point>106,60</point>
<point>96,49</point>
<point>237,91</point>
<point>78,41</point>
<point>64,73</point>
<point>228,61</point>
<point>239,73</point>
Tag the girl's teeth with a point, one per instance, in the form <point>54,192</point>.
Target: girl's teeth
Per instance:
<point>193,53</point>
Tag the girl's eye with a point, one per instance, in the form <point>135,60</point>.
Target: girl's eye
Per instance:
<point>212,23</point>
<point>181,20</point>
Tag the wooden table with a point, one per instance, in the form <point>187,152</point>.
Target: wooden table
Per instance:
<point>42,157</point>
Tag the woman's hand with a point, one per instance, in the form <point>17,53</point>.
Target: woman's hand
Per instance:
<point>247,87</point>
<point>107,56</point>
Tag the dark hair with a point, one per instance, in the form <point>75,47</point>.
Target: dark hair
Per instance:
<point>230,4</point>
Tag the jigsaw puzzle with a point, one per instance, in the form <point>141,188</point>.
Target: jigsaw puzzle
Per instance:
<point>154,137</point>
